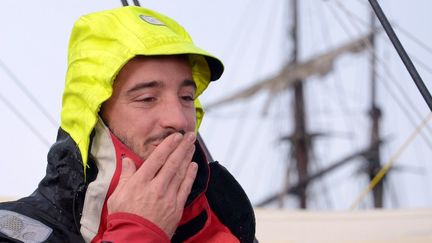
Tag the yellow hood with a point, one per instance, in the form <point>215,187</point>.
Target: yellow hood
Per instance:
<point>102,43</point>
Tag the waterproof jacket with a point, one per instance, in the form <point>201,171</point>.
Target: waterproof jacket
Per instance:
<point>84,164</point>
<point>216,209</point>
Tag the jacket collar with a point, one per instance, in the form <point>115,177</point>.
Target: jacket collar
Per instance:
<point>64,185</point>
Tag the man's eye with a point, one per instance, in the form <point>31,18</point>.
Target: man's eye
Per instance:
<point>147,99</point>
<point>188,98</point>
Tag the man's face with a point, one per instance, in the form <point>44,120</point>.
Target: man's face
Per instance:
<point>152,98</point>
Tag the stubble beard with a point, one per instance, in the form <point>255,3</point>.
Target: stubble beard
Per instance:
<point>145,148</point>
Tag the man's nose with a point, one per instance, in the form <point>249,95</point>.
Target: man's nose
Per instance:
<point>174,116</point>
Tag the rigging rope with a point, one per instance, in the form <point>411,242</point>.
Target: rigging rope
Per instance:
<point>342,95</point>
<point>380,175</point>
<point>257,67</point>
<point>386,69</point>
<point>402,105</point>
<point>402,30</point>
<point>236,42</point>
<point>319,97</point>
<point>28,94</point>
<point>236,141</point>
<point>385,169</point>
<point>420,43</point>
<point>136,2</point>
<point>125,3</point>
<point>24,120</point>
<point>402,53</point>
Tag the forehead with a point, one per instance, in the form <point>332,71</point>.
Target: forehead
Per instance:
<point>173,69</point>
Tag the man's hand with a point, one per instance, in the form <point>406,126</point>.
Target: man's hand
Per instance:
<point>158,190</point>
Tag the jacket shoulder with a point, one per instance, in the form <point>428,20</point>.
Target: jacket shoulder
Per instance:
<point>17,227</point>
<point>30,219</point>
<point>230,203</point>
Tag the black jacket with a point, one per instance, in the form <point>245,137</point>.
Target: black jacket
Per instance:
<point>52,213</point>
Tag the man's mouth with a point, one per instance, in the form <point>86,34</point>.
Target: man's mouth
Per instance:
<point>157,139</point>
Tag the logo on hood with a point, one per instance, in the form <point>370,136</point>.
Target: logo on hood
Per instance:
<point>151,20</point>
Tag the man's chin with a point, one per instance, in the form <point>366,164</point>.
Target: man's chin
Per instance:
<point>145,154</point>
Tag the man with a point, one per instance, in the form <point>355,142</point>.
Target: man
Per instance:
<point>126,166</point>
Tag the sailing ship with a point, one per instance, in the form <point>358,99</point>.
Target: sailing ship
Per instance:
<point>321,127</point>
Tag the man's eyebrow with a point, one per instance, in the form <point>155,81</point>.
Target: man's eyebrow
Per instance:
<point>144,85</point>
<point>189,82</point>
<point>155,84</point>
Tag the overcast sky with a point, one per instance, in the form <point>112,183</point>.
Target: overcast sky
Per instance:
<point>251,38</point>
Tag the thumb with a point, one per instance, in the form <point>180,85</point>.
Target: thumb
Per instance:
<point>128,170</point>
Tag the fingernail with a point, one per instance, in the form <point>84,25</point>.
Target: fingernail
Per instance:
<point>194,165</point>
<point>177,137</point>
<point>190,137</point>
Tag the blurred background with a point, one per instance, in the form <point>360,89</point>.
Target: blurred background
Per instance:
<point>314,100</point>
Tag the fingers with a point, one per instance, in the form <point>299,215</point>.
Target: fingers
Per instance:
<point>180,174</point>
<point>128,170</point>
<point>174,170</point>
<point>159,156</point>
<point>186,185</point>
<point>158,190</point>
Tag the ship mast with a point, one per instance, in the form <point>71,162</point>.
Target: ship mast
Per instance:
<point>299,138</point>
<point>374,158</point>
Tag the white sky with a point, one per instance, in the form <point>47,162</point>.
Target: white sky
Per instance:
<point>250,37</point>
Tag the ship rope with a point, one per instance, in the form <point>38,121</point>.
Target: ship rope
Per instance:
<point>383,171</point>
